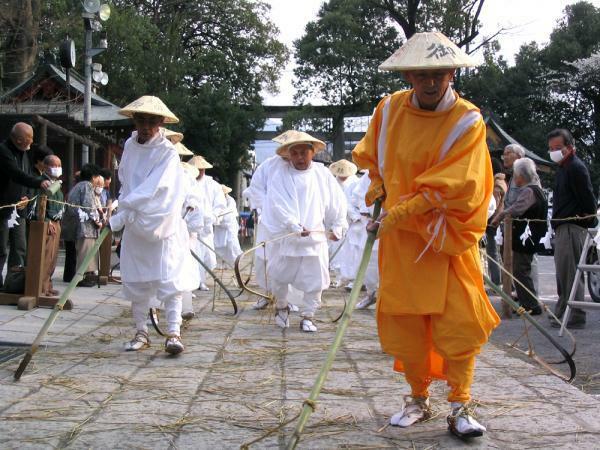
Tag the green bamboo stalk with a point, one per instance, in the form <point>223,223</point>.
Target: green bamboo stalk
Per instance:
<point>60,304</point>
<point>309,404</point>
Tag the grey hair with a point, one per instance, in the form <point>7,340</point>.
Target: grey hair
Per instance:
<point>515,148</point>
<point>525,167</point>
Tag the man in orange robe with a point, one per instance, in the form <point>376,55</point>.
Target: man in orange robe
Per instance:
<point>428,161</point>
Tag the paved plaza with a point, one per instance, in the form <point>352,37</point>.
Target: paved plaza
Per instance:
<point>241,377</point>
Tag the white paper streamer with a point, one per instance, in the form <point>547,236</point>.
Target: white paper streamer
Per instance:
<point>498,237</point>
<point>13,221</point>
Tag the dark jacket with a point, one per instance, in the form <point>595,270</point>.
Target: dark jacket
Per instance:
<point>54,206</point>
<point>539,211</point>
<point>15,176</point>
<point>573,194</point>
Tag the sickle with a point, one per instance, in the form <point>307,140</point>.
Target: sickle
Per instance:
<point>218,281</point>
<point>566,355</point>
<point>238,275</point>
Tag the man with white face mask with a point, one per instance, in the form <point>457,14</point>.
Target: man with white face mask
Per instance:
<point>54,212</point>
<point>573,197</point>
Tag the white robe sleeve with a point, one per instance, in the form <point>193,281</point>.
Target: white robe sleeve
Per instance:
<point>152,209</point>
<point>335,213</point>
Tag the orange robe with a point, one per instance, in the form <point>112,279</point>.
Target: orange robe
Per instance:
<point>433,313</point>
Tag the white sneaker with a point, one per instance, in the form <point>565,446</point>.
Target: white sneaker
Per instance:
<point>369,300</point>
<point>173,345</point>
<point>282,317</point>
<point>293,308</point>
<point>203,287</point>
<point>139,342</point>
<point>413,410</point>
<point>462,423</point>
<point>307,325</point>
<point>261,303</point>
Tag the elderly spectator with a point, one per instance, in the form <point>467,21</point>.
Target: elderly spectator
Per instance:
<point>573,198</point>
<point>15,178</point>
<point>530,204</point>
<point>105,196</point>
<point>491,248</point>
<point>80,225</point>
<point>512,152</point>
<point>54,213</point>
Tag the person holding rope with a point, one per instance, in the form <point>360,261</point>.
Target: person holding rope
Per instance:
<point>15,178</point>
<point>531,203</point>
<point>155,245</point>
<point>214,205</point>
<point>303,200</point>
<point>348,250</point>
<point>428,161</point>
<point>573,198</point>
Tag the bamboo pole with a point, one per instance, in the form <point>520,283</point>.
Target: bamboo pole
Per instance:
<point>507,259</point>
<point>309,405</point>
<point>59,305</point>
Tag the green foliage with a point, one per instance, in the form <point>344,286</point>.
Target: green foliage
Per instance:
<point>209,61</point>
<point>549,87</point>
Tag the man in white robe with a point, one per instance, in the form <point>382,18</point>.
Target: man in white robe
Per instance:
<point>214,206</point>
<point>347,251</point>
<point>303,200</point>
<point>227,243</point>
<point>256,193</point>
<point>155,243</point>
<point>365,213</point>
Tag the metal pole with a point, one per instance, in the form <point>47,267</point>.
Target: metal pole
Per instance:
<point>87,95</point>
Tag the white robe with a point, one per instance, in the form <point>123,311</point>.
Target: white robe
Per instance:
<point>256,194</point>
<point>360,207</point>
<point>155,242</point>
<point>227,243</point>
<point>337,263</point>
<point>214,204</point>
<point>303,199</point>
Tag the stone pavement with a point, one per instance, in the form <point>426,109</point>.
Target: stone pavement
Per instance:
<point>241,377</point>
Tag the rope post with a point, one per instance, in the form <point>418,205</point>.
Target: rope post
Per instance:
<point>41,207</point>
<point>507,257</point>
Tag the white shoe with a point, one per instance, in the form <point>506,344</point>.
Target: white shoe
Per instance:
<point>413,410</point>
<point>349,286</point>
<point>139,342</point>
<point>369,300</point>
<point>307,325</point>
<point>173,345</point>
<point>261,303</point>
<point>462,423</point>
<point>282,317</point>
<point>203,287</point>
<point>293,308</point>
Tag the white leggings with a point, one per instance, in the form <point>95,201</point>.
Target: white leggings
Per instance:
<point>140,295</point>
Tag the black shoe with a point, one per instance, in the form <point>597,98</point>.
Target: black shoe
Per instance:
<point>571,325</point>
<point>87,282</point>
<point>535,311</point>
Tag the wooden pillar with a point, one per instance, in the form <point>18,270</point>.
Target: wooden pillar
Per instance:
<point>93,155</point>
<point>105,254</point>
<point>43,134</point>
<point>70,163</point>
<point>508,263</point>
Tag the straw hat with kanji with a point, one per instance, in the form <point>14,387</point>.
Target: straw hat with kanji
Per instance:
<point>426,51</point>
<point>343,168</point>
<point>149,104</point>
<point>293,137</point>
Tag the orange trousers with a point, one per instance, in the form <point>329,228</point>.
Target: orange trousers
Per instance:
<point>441,346</point>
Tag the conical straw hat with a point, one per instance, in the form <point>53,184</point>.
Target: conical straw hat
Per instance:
<point>173,136</point>
<point>149,104</point>
<point>428,51</point>
<point>343,168</point>
<point>226,189</point>
<point>191,170</point>
<point>182,150</point>
<point>292,137</point>
<point>199,162</point>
